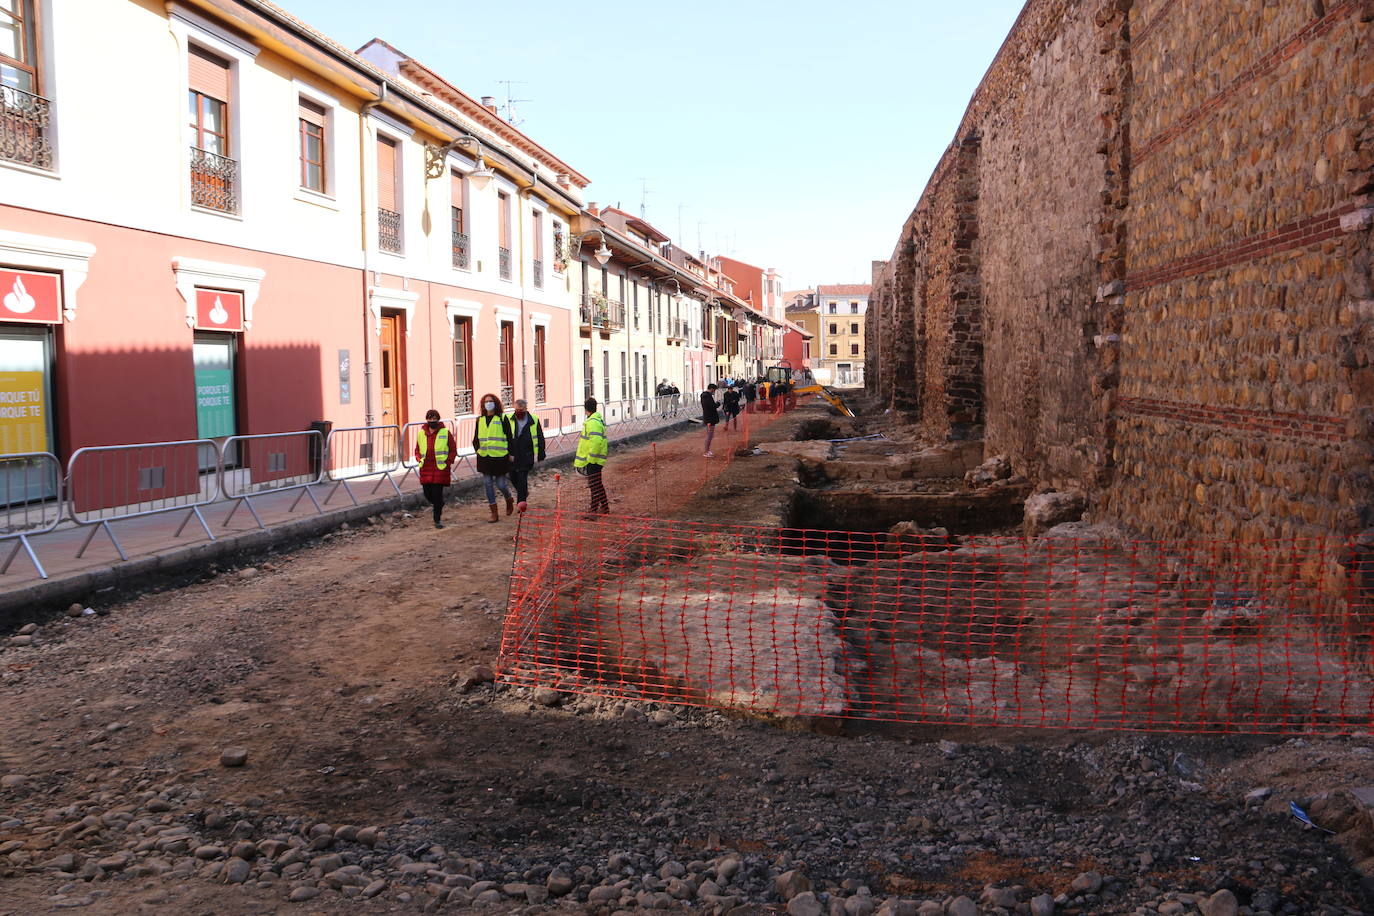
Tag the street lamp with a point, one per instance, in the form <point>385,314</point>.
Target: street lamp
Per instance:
<point>435,164</point>
<point>602,254</point>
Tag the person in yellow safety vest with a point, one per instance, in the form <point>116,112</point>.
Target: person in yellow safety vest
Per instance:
<point>592,450</point>
<point>434,453</point>
<point>492,443</point>
<point>527,440</point>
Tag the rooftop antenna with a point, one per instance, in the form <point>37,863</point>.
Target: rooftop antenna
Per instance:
<point>679,222</point>
<point>643,197</point>
<point>509,107</point>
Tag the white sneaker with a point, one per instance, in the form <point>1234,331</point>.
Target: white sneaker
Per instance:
<point>709,455</point>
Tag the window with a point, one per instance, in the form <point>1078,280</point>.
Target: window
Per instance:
<point>588,382</point>
<point>634,291</point>
<point>624,377</point>
<point>833,307</point>
<point>462,366</point>
<point>503,253</point>
<point>853,308</point>
<point>458,226</point>
<point>388,197</point>
<point>311,117</point>
<point>23,112</point>
<point>853,327</point>
<point>507,356</point>
<point>540,368</point>
<point>215,377</point>
<point>834,349</point>
<point>537,234</point>
<point>214,174</point>
<point>606,375</point>
<point>834,328</point>
<point>853,349</point>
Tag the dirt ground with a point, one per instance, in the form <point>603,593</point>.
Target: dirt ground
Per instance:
<point>338,667</point>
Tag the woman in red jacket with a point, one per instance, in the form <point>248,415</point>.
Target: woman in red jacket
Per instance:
<point>435,450</point>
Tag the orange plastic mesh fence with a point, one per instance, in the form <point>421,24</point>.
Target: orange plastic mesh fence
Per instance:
<point>1209,636</point>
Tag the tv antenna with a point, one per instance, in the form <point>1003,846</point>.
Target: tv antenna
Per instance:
<point>508,109</point>
<point>644,193</point>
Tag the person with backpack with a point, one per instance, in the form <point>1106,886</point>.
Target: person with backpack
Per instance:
<point>435,450</point>
<point>492,442</point>
<point>527,441</point>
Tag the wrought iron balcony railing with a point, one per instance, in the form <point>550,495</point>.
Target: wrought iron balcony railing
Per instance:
<point>541,393</point>
<point>461,251</point>
<point>507,396</point>
<point>599,312</point>
<point>462,401</point>
<point>538,274</point>
<point>503,262</point>
<point>214,181</point>
<point>24,121</point>
<point>389,231</point>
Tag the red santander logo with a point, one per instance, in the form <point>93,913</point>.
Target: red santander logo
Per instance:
<point>31,297</point>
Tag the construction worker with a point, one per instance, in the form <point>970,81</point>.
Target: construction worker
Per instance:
<point>492,442</point>
<point>527,437</point>
<point>435,450</point>
<point>592,450</point>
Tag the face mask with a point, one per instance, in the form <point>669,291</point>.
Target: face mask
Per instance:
<point>433,424</point>
<point>490,405</point>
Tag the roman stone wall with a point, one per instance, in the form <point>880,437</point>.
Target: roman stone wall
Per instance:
<point>1144,265</point>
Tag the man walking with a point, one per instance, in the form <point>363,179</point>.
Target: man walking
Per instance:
<point>592,451</point>
<point>710,415</point>
<point>527,447</point>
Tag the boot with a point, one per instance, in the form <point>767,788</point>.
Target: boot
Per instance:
<point>522,506</point>
<point>495,516</point>
<point>510,504</point>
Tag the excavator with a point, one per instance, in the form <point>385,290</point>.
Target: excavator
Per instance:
<point>803,382</point>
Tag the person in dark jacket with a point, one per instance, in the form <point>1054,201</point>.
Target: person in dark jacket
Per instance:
<point>751,394</point>
<point>710,415</point>
<point>731,406</point>
<point>492,443</point>
<point>435,450</point>
<point>527,441</point>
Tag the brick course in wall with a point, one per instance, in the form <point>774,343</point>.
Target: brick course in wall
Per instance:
<point>1153,237</point>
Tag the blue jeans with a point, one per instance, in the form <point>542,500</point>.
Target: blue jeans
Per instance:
<point>494,482</point>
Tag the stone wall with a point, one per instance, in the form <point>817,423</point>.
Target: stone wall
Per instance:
<point>1144,265</point>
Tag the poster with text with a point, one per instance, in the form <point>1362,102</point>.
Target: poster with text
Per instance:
<point>23,412</point>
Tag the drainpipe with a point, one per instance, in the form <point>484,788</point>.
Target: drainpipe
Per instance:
<point>526,194</point>
<point>364,223</point>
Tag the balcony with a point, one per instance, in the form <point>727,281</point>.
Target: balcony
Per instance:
<point>541,393</point>
<point>389,231</point>
<point>503,262</point>
<point>507,396</point>
<point>538,274</point>
<point>604,314</point>
<point>677,329</point>
<point>24,128</point>
<point>214,181</point>
<point>462,253</point>
<point>462,401</point>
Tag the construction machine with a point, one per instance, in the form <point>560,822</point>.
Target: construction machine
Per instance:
<point>803,382</point>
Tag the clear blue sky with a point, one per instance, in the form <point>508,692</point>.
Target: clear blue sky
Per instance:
<point>797,133</point>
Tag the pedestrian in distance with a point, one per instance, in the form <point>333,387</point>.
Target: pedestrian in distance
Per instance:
<point>492,442</point>
<point>675,397</point>
<point>590,460</point>
<point>779,393</point>
<point>663,392</point>
<point>435,450</point>
<point>730,407</point>
<point>710,415</point>
<point>527,440</point>
<point>751,394</point>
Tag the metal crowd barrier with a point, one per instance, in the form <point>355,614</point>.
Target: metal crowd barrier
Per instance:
<point>107,483</point>
<point>463,455</point>
<point>356,452</point>
<point>271,463</point>
<point>31,484</point>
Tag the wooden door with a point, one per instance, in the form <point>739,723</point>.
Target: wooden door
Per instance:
<point>393,371</point>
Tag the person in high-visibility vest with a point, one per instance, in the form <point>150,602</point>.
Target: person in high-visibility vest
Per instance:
<point>492,443</point>
<point>590,460</point>
<point>527,439</point>
<point>435,450</point>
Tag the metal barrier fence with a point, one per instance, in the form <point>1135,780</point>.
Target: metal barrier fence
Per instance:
<point>31,487</point>
<point>271,463</point>
<point>108,483</point>
<point>356,452</point>
<point>1197,637</point>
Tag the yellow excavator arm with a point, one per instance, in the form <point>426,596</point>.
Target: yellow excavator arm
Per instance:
<point>783,372</point>
<point>825,394</point>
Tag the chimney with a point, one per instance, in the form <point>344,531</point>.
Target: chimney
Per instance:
<point>564,181</point>
<point>489,103</point>
<point>593,209</point>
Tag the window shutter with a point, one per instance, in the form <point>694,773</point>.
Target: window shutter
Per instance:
<point>386,174</point>
<point>208,74</point>
<point>309,111</point>
<point>458,190</point>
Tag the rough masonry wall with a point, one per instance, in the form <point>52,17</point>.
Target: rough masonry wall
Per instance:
<point>1172,263</point>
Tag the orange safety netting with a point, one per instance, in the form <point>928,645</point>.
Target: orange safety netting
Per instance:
<point>1209,636</point>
